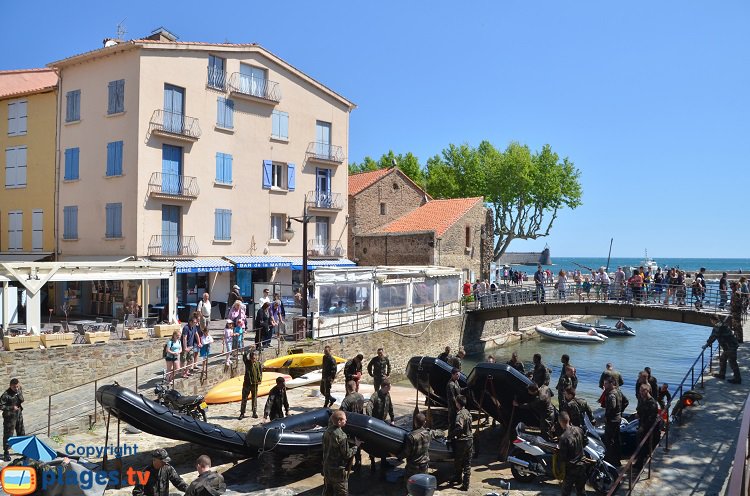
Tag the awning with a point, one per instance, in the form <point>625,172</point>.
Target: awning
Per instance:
<point>23,257</point>
<point>203,265</point>
<point>313,264</point>
<point>259,262</point>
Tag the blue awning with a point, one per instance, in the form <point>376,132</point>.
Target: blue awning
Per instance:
<point>259,262</point>
<point>203,265</point>
<point>313,264</point>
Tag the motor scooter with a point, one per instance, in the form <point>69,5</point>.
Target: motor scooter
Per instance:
<point>189,405</point>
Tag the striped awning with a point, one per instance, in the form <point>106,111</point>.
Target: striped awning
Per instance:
<point>203,265</point>
<point>259,262</point>
<point>313,264</point>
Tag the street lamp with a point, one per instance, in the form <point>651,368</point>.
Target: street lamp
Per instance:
<point>288,235</point>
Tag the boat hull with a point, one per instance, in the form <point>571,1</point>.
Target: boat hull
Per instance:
<point>569,336</point>
<point>298,360</point>
<point>608,331</point>
<point>430,376</point>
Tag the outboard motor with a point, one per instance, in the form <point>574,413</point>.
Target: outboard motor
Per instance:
<point>421,485</point>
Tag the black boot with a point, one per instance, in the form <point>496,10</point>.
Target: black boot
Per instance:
<point>735,380</point>
<point>719,376</point>
<point>465,485</point>
<point>6,457</point>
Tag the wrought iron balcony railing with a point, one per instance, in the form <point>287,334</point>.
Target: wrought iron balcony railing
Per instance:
<point>217,79</point>
<point>173,186</point>
<point>175,125</point>
<point>325,249</point>
<point>172,246</point>
<point>324,199</point>
<point>325,152</point>
<point>244,85</point>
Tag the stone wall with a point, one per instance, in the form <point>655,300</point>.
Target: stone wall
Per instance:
<point>397,249</point>
<point>453,250</point>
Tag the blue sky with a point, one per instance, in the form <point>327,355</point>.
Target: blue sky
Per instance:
<point>648,99</point>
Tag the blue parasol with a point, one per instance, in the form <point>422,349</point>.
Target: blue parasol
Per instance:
<point>32,447</point>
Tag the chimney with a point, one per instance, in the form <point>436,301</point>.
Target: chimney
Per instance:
<point>162,34</point>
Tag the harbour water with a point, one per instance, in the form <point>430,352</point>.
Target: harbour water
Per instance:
<point>669,348</point>
<point>688,264</point>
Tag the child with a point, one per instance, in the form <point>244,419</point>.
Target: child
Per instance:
<point>229,335</point>
<point>587,288</point>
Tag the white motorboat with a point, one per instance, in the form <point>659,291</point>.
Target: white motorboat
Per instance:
<point>561,335</point>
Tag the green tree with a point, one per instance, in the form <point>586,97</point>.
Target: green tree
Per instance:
<point>408,163</point>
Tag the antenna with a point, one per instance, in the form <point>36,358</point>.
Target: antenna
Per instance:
<point>121,31</point>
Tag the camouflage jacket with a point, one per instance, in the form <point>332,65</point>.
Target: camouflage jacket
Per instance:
<point>353,402</point>
<point>416,447</point>
<point>207,484</point>
<point>336,449</point>
<point>9,399</point>
<point>462,426</point>
<point>382,406</point>
<point>158,482</point>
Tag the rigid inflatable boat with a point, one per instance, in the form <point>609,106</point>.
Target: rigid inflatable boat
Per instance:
<point>601,329</point>
<point>589,337</point>
<point>429,376</point>
<point>494,386</point>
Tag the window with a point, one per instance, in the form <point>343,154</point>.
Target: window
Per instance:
<point>15,167</point>
<point>37,230</point>
<point>344,298</point>
<point>15,230</point>
<point>223,224</point>
<point>73,106</point>
<point>277,227</point>
<point>71,164</point>
<point>468,236</point>
<point>17,118</point>
<point>216,74</point>
<point>278,175</point>
<point>116,101</point>
<point>393,296</point>
<point>448,289</point>
<point>225,113</point>
<point>114,158</point>
<point>382,209</point>
<point>423,293</point>
<point>280,125</point>
<point>70,222</point>
<point>114,220</point>
<point>223,168</point>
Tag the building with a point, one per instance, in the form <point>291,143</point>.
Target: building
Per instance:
<point>394,222</point>
<point>198,153</point>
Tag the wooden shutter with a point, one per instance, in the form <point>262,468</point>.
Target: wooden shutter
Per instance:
<point>290,177</point>
<point>267,174</point>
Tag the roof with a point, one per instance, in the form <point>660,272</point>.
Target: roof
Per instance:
<point>436,215</point>
<point>196,45</point>
<point>26,81</point>
<point>358,182</point>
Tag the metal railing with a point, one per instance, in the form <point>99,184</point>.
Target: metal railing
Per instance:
<point>216,79</point>
<point>738,479</point>
<point>331,249</point>
<point>173,185</point>
<point>246,85</point>
<point>172,246</point>
<point>325,152</point>
<point>175,124</point>
<point>324,199</point>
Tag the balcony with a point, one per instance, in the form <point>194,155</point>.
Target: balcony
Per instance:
<point>216,79</point>
<point>173,186</point>
<point>324,200</point>
<point>254,89</point>
<point>325,153</point>
<point>174,125</point>
<point>172,246</point>
<point>326,249</point>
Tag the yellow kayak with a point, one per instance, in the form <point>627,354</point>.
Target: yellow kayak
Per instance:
<point>231,390</point>
<point>298,360</point>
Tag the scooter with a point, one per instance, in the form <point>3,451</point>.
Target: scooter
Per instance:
<point>188,405</point>
<point>532,457</point>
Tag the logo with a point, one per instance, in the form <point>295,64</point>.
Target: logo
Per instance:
<point>18,481</point>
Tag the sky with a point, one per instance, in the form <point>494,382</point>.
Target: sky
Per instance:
<point>649,99</point>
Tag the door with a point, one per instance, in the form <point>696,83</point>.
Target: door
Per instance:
<point>323,188</point>
<point>174,107</point>
<point>171,169</point>
<point>323,139</point>
<point>170,230</point>
<point>252,80</point>
<point>322,229</point>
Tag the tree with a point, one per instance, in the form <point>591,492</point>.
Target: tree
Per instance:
<point>408,163</point>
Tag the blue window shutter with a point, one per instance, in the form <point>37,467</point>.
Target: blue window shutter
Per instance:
<point>228,168</point>
<point>110,159</point>
<point>267,173</point>
<point>68,163</point>
<point>73,222</point>
<point>118,158</point>
<point>112,100</point>
<point>290,177</point>
<point>109,226</point>
<point>66,222</point>
<point>220,167</point>
<point>74,154</point>
<point>118,220</point>
<point>227,224</point>
<point>121,95</point>
<point>221,104</point>
<point>284,125</point>
<point>230,114</point>
<point>217,224</point>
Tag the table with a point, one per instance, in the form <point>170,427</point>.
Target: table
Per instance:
<point>88,325</point>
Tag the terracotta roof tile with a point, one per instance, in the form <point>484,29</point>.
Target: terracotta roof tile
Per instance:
<point>24,81</point>
<point>358,182</point>
<point>435,215</point>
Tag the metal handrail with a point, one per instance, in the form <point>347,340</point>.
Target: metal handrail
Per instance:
<point>324,199</point>
<point>175,123</point>
<point>318,150</point>
<point>317,248</point>
<point>738,479</point>
<point>172,245</point>
<point>245,84</point>
<point>216,78</point>
<point>174,185</point>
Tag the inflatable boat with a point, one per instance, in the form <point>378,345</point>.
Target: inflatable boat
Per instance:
<point>605,330</point>
<point>590,337</point>
<point>494,386</point>
<point>429,376</point>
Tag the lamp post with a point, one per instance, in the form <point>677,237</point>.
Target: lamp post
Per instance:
<point>288,235</point>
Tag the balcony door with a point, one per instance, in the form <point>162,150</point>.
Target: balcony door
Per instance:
<point>170,229</point>
<point>322,234</point>
<point>252,80</point>
<point>171,169</point>
<point>323,139</point>
<point>323,187</point>
<point>174,108</point>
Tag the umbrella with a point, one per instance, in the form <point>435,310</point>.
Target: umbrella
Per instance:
<point>32,447</point>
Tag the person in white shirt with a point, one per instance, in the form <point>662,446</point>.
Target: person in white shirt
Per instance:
<point>266,298</point>
<point>204,309</point>
<point>603,279</point>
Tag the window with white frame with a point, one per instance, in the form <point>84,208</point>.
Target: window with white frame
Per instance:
<point>15,230</point>
<point>15,167</point>
<point>37,230</point>
<point>279,179</point>
<point>17,117</point>
<point>280,125</point>
<point>277,227</point>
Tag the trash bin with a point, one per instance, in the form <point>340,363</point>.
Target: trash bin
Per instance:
<point>299,328</point>
<point>421,485</point>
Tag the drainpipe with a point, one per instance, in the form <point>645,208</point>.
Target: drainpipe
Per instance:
<point>56,200</point>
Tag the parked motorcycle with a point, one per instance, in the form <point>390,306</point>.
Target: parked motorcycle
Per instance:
<point>188,405</point>
<point>532,457</point>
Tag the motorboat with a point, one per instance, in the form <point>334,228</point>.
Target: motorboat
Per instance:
<point>430,376</point>
<point>589,337</point>
<point>609,331</point>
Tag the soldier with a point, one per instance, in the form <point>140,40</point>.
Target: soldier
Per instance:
<point>452,391</point>
<point>11,402</point>
<point>276,400</point>
<point>458,360</point>
<point>572,441</point>
<point>463,444</point>
<point>610,372</point>
<point>516,363</point>
<point>647,412</point>
<point>161,473</point>
<point>253,377</point>
<point>353,402</point>
<point>736,308</point>
<point>541,405</point>
<point>612,416</point>
<point>576,408</point>
<point>353,369</point>
<point>446,355</point>
<point>567,380</point>
<point>728,343</point>
<point>329,375</point>
<point>382,407</point>
<point>208,482</point>
<point>416,448</point>
<point>540,374</point>
<point>379,368</point>
<point>336,455</point>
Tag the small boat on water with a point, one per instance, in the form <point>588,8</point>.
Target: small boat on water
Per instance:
<point>609,331</point>
<point>589,337</point>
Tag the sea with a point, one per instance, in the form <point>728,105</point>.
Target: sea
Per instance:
<point>687,264</point>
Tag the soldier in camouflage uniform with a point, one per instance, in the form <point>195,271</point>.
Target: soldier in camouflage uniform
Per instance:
<point>576,408</point>
<point>647,412</point>
<point>540,374</point>
<point>11,402</point>
<point>276,401</point>
<point>381,408</point>
<point>612,416</point>
<point>161,473</point>
<point>541,406</point>
<point>251,381</point>
<point>329,374</point>
<point>353,402</point>
<point>379,368</point>
<point>416,448</point>
<point>336,455</point>
<point>452,391</point>
<point>736,308</point>
<point>208,482</point>
<point>567,380</point>
<point>572,441</point>
<point>463,444</point>
<point>353,369</point>
<point>729,345</point>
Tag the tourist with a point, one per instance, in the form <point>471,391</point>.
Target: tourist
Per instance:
<point>586,287</point>
<point>353,369</point>
<point>276,401</point>
<point>680,288</point>
<point>277,297</point>
<point>11,402</point>
<point>297,297</point>
<point>328,376</point>
<point>354,402</point>
<point>516,363</point>
<point>206,341</point>
<point>619,283</point>
<point>612,416</point>
<point>172,352</point>
<point>336,456</point>
<point>572,441</point>
<point>158,475</point>
<point>658,285</point>
<point>541,374</point>
<point>262,325</point>
<point>277,318</point>
<point>463,444</point>
<point>208,482</point>
<point>671,281</point>
<point>416,449</point>
<point>204,311</point>
<point>610,373</point>
<point>228,339</point>
<point>729,345</point>
<point>602,279</point>
<point>266,298</point>
<point>381,408</point>
<point>238,317</point>
<point>190,345</point>
<point>578,285</point>
<point>577,408</point>
<point>541,406</point>
<point>379,368</point>
<point>723,291</point>
<point>539,284</point>
<point>233,297</point>
<point>636,284</point>
<point>452,391</point>
<point>562,285</point>
<point>250,382</point>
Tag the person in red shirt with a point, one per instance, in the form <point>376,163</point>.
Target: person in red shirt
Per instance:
<point>467,288</point>
<point>636,284</point>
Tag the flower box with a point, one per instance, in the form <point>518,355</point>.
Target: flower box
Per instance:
<point>58,339</point>
<point>13,343</point>
<point>97,337</point>
<point>140,333</point>
<point>165,330</point>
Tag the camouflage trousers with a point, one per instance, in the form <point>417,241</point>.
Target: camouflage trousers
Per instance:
<point>335,482</point>
<point>12,422</point>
